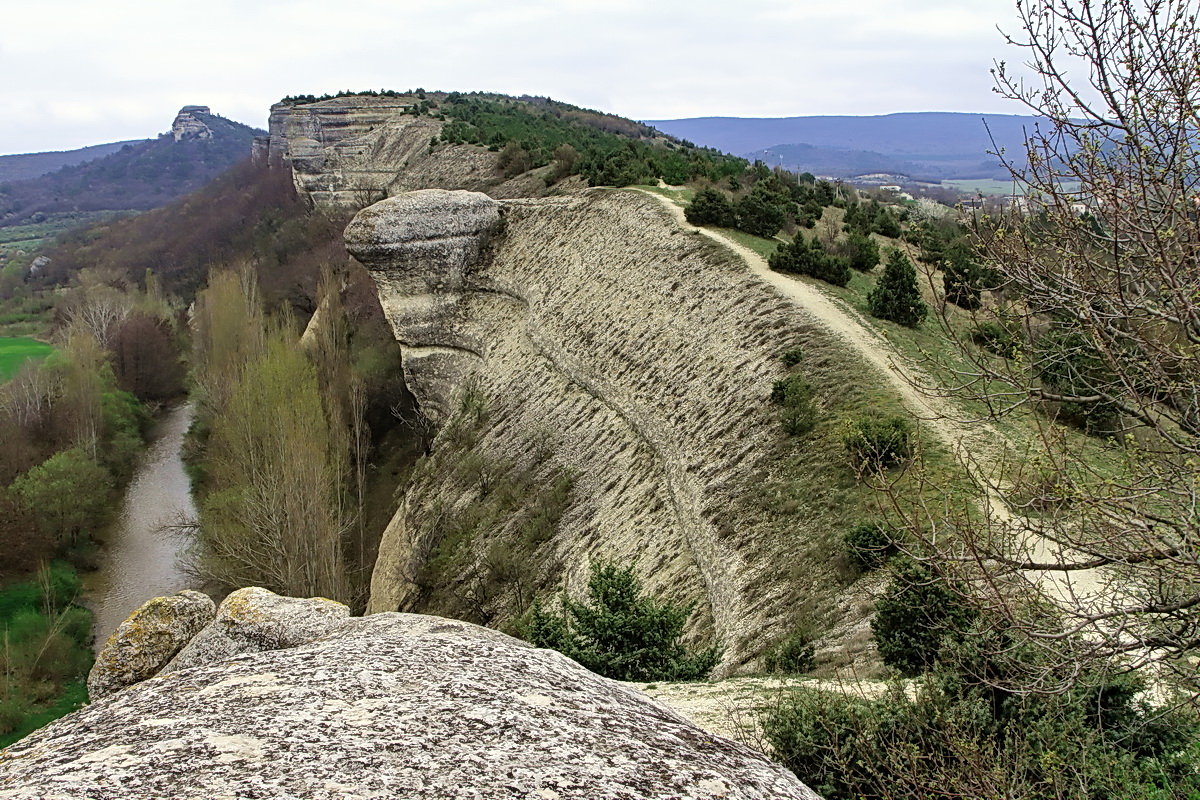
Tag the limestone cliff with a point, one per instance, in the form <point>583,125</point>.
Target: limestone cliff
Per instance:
<point>599,380</point>
<point>351,151</point>
<point>594,338</point>
<point>190,123</point>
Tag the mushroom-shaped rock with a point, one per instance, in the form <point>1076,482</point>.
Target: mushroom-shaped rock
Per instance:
<point>420,247</point>
<point>433,234</point>
<point>254,620</point>
<point>390,705</point>
<point>148,639</point>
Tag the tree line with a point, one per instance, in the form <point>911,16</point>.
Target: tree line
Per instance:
<point>287,429</point>
<point>72,427</point>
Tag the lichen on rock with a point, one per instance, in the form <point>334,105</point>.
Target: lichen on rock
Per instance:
<point>391,705</point>
<point>254,620</point>
<point>148,639</point>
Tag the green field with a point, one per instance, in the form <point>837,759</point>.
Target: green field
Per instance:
<point>14,352</point>
<point>30,237</point>
<point>994,188</point>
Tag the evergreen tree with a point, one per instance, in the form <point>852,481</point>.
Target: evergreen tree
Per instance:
<point>763,213</point>
<point>809,258</point>
<point>862,251</point>
<point>897,297</point>
<point>621,633</point>
<point>964,277</point>
<point>710,207</point>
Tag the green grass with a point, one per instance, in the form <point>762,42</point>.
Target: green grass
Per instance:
<point>764,247</point>
<point>21,236</point>
<point>46,654</point>
<point>16,351</point>
<point>74,696</point>
<point>989,187</point>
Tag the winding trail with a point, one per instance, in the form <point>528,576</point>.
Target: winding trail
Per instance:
<point>977,445</point>
<point>939,415</point>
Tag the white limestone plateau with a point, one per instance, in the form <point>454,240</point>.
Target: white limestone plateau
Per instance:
<point>386,706</point>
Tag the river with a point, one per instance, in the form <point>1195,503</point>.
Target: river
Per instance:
<point>140,558</point>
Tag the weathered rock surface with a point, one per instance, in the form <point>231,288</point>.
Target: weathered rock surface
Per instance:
<point>387,706</point>
<point>348,152</point>
<point>419,246</point>
<point>143,644</point>
<point>254,620</point>
<point>598,339</point>
<point>190,124</point>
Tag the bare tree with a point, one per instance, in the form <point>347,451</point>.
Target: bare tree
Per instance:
<point>98,309</point>
<point>1091,549</point>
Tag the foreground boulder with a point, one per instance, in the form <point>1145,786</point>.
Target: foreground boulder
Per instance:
<point>386,706</point>
<point>254,620</point>
<point>150,638</point>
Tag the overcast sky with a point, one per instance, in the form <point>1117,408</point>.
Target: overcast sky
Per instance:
<point>75,73</point>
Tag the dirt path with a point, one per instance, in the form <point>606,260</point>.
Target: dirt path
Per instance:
<point>978,445</point>
<point>938,414</point>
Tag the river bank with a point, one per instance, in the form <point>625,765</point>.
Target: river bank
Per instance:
<point>141,556</point>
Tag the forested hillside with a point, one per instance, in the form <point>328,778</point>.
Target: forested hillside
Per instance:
<point>139,176</point>
<point>23,166</point>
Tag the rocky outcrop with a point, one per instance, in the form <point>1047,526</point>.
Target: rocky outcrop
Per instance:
<point>593,338</point>
<point>144,643</point>
<point>349,152</point>
<point>391,705</point>
<point>419,247</point>
<point>190,124</point>
<point>255,620</point>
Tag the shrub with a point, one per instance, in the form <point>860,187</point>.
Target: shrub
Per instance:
<point>862,252</point>
<point>919,610</point>
<point>809,258</point>
<point>710,207</point>
<point>759,215</point>
<point>958,737</point>
<point>793,655</point>
<point>875,442</point>
<point>897,297</point>
<point>963,277</point>
<point>620,633</point>
<point>514,160</point>
<point>792,356</point>
<point>798,398</point>
<point>997,338</point>
<point>1069,364</point>
<point>869,545</point>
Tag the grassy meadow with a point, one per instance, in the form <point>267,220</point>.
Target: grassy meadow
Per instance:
<point>15,351</point>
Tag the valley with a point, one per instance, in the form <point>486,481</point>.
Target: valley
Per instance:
<point>480,367</point>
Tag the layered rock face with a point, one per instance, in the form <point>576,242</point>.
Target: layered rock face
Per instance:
<point>592,338</point>
<point>189,124</point>
<point>349,152</point>
<point>392,705</point>
<point>429,239</point>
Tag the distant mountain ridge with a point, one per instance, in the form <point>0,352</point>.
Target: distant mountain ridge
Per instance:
<point>137,176</point>
<point>26,166</point>
<point>931,145</point>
